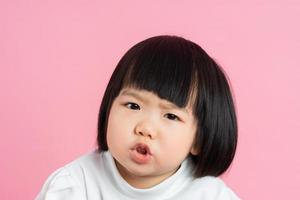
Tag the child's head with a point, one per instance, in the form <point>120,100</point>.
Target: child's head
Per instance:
<point>197,105</point>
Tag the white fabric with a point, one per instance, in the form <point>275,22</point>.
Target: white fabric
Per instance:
<point>94,176</point>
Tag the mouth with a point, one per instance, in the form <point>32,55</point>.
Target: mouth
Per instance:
<point>141,154</point>
<point>142,149</point>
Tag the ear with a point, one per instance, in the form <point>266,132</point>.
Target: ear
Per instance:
<point>195,150</point>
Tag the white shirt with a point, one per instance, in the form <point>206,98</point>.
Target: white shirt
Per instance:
<point>94,176</point>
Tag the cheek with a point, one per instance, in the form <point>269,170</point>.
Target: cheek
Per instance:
<point>178,142</point>
<point>117,130</point>
<point>111,136</point>
<point>174,152</point>
<point>112,133</point>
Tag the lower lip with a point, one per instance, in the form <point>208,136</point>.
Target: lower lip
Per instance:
<point>139,158</point>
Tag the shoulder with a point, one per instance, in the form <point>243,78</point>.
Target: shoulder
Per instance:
<point>85,164</point>
<point>70,180</point>
<point>210,187</point>
<point>60,184</point>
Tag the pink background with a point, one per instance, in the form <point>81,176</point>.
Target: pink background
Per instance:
<point>56,58</point>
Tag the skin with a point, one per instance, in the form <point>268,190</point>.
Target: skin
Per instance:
<point>140,116</point>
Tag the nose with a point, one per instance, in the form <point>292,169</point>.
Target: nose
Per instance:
<point>145,129</point>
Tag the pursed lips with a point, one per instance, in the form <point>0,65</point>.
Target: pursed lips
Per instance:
<point>142,148</point>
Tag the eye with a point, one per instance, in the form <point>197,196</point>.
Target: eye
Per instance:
<point>132,106</point>
<point>172,117</point>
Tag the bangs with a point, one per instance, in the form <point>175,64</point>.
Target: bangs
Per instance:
<point>164,67</point>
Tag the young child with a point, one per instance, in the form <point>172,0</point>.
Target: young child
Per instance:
<point>167,129</point>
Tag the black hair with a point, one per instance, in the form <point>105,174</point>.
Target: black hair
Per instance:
<point>177,69</point>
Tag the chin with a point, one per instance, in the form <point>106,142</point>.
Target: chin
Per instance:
<point>141,171</point>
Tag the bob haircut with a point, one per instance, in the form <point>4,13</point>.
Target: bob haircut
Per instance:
<point>178,70</point>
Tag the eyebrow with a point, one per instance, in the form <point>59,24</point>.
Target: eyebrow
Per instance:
<point>162,105</point>
<point>133,94</point>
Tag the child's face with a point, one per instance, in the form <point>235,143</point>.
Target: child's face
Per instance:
<point>149,137</point>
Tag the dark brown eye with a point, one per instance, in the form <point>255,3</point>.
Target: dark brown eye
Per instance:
<point>172,117</point>
<point>132,106</point>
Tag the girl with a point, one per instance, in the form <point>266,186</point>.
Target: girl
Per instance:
<point>166,130</point>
